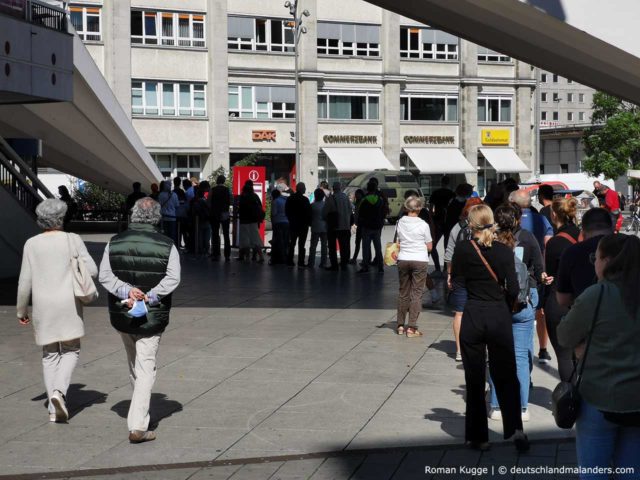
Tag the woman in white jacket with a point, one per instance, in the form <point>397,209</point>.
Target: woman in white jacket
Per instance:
<point>46,277</point>
<point>414,237</point>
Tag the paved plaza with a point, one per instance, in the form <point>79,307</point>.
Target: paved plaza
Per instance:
<point>264,372</point>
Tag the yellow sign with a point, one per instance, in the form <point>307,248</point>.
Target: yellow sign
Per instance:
<point>496,137</point>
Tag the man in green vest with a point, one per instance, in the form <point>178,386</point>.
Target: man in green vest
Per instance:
<point>140,269</point>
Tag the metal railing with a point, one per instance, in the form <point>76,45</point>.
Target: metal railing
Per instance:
<point>46,15</point>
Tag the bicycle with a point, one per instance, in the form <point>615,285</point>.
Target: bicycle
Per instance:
<point>634,222</point>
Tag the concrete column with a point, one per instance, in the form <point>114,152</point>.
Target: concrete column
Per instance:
<point>524,126</point>
<point>469,136</point>
<point>390,111</point>
<point>116,27</point>
<point>308,96</point>
<point>217,86</point>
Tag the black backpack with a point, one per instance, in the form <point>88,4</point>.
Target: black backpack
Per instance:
<point>465,231</point>
<point>522,273</point>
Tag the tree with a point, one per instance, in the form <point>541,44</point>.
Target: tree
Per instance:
<point>98,203</point>
<point>245,162</point>
<point>612,143</point>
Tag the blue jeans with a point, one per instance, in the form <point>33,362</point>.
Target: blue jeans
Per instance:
<point>600,443</point>
<point>523,331</point>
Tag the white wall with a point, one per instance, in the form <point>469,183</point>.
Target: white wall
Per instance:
<point>168,64</point>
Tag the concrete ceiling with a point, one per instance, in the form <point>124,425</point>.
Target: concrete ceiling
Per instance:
<point>527,33</point>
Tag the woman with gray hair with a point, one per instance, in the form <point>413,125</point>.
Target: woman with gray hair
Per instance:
<point>414,237</point>
<point>46,277</point>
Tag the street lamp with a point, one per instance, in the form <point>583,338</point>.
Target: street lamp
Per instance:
<point>298,30</point>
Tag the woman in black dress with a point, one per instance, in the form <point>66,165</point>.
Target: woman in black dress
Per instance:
<point>487,269</point>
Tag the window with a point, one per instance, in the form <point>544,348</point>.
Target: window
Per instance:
<point>494,109</point>
<point>348,39</point>
<point>564,168</point>
<point>570,116</point>
<point>179,165</point>
<point>570,97</point>
<point>427,43</point>
<point>488,55</point>
<point>543,97</point>
<point>543,116</point>
<point>556,97</point>
<point>260,34</point>
<point>543,78</point>
<point>581,97</point>
<point>433,108</point>
<point>569,81</point>
<point>555,78</point>
<point>168,99</point>
<point>167,28</point>
<point>261,102</point>
<point>86,22</point>
<point>348,106</point>
<point>581,116</point>
<point>556,116</point>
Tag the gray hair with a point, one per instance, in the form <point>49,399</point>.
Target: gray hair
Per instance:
<point>51,214</point>
<point>146,210</point>
<point>413,204</point>
<point>521,198</point>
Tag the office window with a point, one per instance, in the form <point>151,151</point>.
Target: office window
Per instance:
<point>488,55</point>
<point>260,34</point>
<point>570,116</point>
<point>179,165</point>
<point>570,97</point>
<point>348,39</point>
<point>86,22</point>
<point>427,44</point>
<point>543,97</point>
<point>564,168</point>
<point>556,97</point>
<point>348,106</point>
<point>555,78</point>
<point>167,28</point>
<point>581,97</point>
<point>556,116</point>
<point>168,99</point>
<point>494,109</point>
<point>543,116</point>
<point>569,81</point>
<point>581,116</point>
<point>432,108</point>
<point>261,102</point>
<point>543,78</point>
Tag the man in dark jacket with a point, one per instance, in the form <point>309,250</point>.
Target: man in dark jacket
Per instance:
<point>219,204</point>
<point>298,211</point>
<point>140,269</point>
<point>371,216</point>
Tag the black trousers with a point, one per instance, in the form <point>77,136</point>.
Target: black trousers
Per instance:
<point>487,326</point>
<point>215,237</point>
<point>343,237</point>
<point>298,236</point>
<point>553,313</point>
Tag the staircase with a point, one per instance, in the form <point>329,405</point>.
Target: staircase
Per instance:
<point>20,194</point>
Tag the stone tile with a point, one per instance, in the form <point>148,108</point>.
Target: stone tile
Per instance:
<point>297,469</point>
<point>340,467</point>
<point>256,471</point>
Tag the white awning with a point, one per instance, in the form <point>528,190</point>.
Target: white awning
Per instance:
<point>439,160</point>
<point>633,173</point>
<point>358,160</point>
<point>504,160</point>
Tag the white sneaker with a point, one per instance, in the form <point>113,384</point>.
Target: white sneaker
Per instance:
<point>458,357</point>
<point>495,414</point>
<point>57,399</point>
<point>52,417</point>
<point>525,415</point>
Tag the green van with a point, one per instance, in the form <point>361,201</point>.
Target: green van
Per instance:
<point>393,183</point>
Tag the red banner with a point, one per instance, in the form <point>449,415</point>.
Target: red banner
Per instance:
<point>258,175</point>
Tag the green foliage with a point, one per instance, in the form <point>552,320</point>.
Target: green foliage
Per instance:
<point>247,161</point>
<point>612,143</point>
<point>94,198</point>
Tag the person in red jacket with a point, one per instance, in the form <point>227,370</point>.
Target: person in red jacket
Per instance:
<point>612,205</point>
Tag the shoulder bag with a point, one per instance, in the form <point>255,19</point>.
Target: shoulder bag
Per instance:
<point>565,399</point>
<point>83,287</point>
<point>392,249</point>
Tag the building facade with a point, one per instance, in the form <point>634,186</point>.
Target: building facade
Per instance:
<point>208,82</point>
<point>563,102</point>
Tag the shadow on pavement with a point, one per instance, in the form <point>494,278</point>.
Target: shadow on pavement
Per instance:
<point>78,399</point>
<point>161,408</point>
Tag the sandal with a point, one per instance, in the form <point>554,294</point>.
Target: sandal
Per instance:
<point>400,330</point>
<point>413,332</point>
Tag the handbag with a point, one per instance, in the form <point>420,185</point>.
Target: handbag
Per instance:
<point>565,399</point>
<point>391,250</point>
<point>83,287</point>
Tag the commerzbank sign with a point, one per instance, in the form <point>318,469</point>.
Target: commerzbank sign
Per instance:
<point>351,139</point>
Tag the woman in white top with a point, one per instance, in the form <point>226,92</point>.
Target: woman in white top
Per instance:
<point>414,237</point>
<point>46,277</point>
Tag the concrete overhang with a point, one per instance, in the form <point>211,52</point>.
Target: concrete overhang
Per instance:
<point>91,137</point>
<point>530,34</point>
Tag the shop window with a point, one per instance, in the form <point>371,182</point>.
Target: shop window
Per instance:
<point>348,106</point>
<point>494,109</point>
<point>433,108</point>
<point>179,165</point>
<point>86,22</point>
<point>261,102</point>
<point>348,39</point>
<point>427,44</point>
<point>167,28</point>
<point>260,34</point>
<point>168,99</point>
<point>488,55</point>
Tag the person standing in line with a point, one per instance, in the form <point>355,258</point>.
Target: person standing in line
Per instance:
<point>280,226</point>
<point>371,219</point>
<point>545,198</point>
<point>219,205</point>
<point>563,214</point>
<point>414,237</point>
<point>134,196</point>
<point>439,200</point>
<point>612,205</point>
<point>46,278</point>
<point>298,211</point>
<point>487,269</point>
<point>202,214</point>
<point>155,191</point>
<point>251,215</point>
<point>337,212</point>
<point>182,212</point>
<point>454,209</point>
<point>318,230</point>
<point>458,293</point>
<point>140,269</point>
<point>191,190</point>
<point>72,206</point>
<point>608,423</point>
<point>599,194</point>
<point>357,199</point>
<point>168,203</point>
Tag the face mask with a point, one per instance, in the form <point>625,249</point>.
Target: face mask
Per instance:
<point>139,309</point>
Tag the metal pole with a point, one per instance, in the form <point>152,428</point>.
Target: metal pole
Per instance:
<point>538,161</point>
<point>296,37</point>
